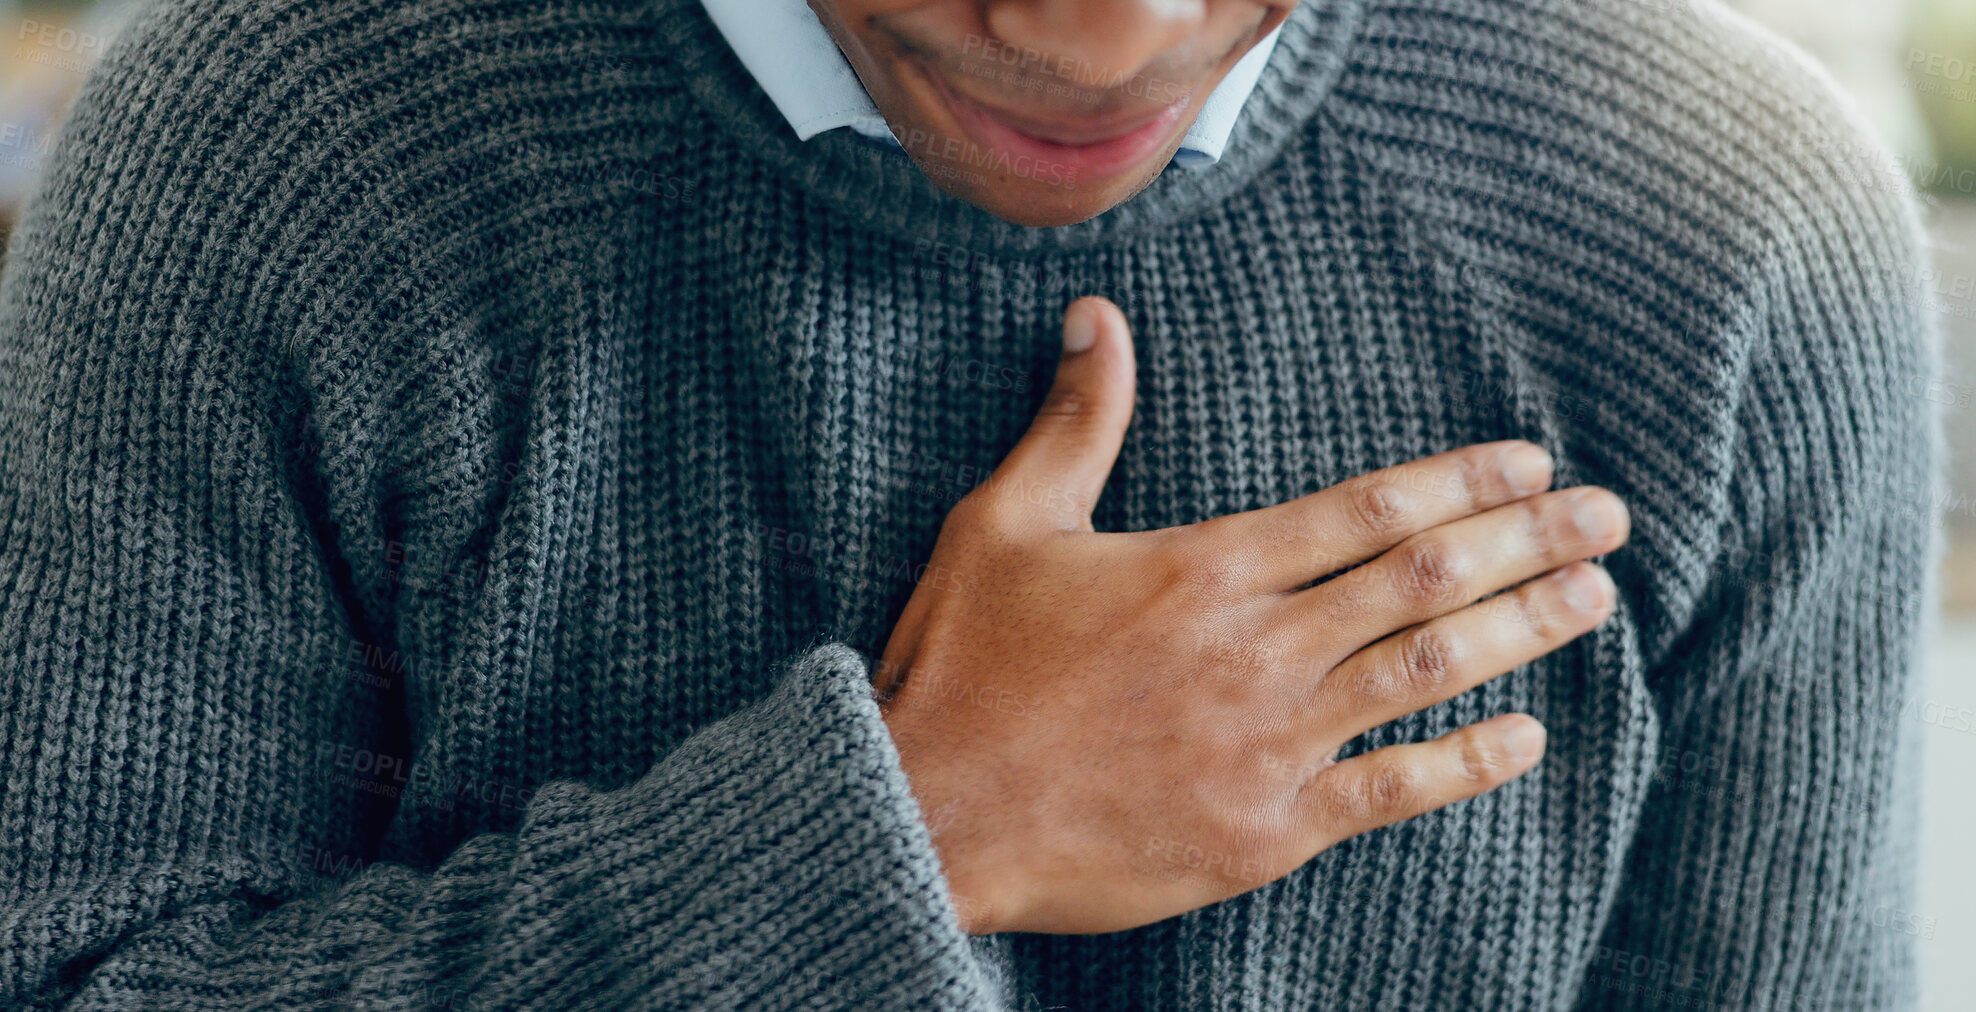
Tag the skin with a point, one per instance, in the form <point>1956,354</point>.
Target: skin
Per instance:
<point>1110,729</point>
<point>1056,61</point>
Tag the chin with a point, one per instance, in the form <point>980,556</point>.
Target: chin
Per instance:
<point>1043,204</point>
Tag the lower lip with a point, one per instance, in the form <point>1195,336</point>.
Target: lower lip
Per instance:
<point>1076,161</point>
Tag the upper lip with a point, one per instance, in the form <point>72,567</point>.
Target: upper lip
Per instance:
<point>1075,131</point>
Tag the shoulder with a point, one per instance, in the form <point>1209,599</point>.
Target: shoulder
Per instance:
<point>336,209</point>
<point>272,136</point>
<point>1668,133</point>
<point>1681,239</point>
<point>344,190</point>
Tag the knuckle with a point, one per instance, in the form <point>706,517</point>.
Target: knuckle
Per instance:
<point>1481,472</point>
<point>1067,402</point>
<point>1464,482</point>
<point>1428,662</point>
<point>1541,517</point>
<point>1417,667</point>
<point>1431,572</point>
<point>1543,619</point>
<point>1483,760</point>
<point>1393,787</point>
<point>1379,508</point>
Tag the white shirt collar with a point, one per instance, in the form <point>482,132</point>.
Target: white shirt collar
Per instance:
<point>796,62</point>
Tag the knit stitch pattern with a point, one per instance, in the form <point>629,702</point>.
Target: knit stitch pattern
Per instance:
<point>458,459</point>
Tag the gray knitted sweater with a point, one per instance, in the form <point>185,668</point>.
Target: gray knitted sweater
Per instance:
<point>457,459</point>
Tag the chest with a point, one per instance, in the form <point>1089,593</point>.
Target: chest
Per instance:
<point>766,467</point>
<point>838,401</point>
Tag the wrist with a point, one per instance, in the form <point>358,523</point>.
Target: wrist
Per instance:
<point>978,888</point>
<point>982,904</point>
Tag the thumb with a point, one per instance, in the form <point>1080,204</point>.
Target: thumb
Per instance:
<point>1058,470</point>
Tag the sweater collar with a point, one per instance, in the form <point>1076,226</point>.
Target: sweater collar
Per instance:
<point>788,52</point>
<point>879,189</point>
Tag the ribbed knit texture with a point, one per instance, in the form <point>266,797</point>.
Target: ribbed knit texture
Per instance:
<point>456,459</point>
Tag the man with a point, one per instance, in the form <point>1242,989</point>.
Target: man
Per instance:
<point>496,519</point>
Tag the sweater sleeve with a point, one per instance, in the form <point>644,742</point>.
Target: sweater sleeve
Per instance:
<point>186,818</point>
<point>169,639</point>
<point>1773,864</point>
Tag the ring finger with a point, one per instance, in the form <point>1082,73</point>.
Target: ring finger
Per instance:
<point>1440,659</point>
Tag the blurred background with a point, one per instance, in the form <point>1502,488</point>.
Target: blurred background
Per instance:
<point>1910,65</point>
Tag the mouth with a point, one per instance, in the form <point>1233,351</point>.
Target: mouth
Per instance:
<point>1081,149</point>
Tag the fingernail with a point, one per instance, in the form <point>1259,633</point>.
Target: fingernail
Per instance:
<point>1594,515</point>
<point>1526,469</point>
<point>1584,587</point>
<point>1524,739</point>
<point>1080,329</point>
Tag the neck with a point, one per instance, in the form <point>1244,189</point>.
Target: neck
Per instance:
<point>886,191</point>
